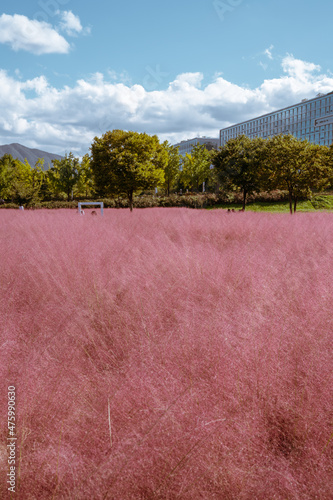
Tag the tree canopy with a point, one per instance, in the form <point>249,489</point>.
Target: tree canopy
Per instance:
<point>238,164</point>
<point>18,181</point>
<point>196,167</point>
<point>64,174</point>
<point>296,166</point>
<point>124,162</point>
<point>171,169</point>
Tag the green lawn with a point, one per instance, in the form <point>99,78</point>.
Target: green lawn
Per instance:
<point>322,202</point>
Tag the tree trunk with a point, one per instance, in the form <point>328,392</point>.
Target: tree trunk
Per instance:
<point>244,198</point>
<point>290,202</point>
<point>130,199</point>
<point>295,203</point>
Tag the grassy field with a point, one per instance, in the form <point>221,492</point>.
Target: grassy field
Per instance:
<point>167,354</point>
<point>317,204</point>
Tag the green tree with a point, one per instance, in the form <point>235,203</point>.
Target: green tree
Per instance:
<point>239,165</point>
<point>171,170</point>
<point>37,177</point>
<point>125,162</point>
<point>85,184</point>
<point>17,181</point>
<point>7,173</point>
<point>329,162</point>
<point>297,166</point>
<point>64,175</point>
<point>40,178</point>
<point>196,168</point>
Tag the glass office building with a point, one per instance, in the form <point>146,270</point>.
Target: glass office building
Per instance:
<point>311,119</point>
<point>186,146</point>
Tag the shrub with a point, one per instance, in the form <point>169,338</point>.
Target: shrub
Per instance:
<point>9,205</point>
<point>189,200</point>
<point>322,202</point>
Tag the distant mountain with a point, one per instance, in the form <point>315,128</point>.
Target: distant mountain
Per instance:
<point>21,152</point>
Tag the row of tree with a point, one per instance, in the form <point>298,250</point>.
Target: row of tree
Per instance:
<point>121,163</point>
<point>280,162</point>
<point>124,162</point>
<point>20,183</point>
<point>127,163</point>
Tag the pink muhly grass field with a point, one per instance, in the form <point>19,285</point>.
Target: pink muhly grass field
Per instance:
<point>168,354</point>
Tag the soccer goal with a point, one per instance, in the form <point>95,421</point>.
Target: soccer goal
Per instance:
<point>98,203</point>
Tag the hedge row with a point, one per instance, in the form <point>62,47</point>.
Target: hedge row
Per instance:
<point>189,200</point>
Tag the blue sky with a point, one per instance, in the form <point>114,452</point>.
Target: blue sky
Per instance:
<point>71,70</point>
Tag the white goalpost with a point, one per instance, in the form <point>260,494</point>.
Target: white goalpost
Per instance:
<point>99,203</point>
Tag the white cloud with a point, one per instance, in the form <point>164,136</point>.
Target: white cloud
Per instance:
<point>33,36</point>
<point>300,70</point>
<point>122,76</point>
<point>36,114</point>
<point>188,80</point>
<point>71,23</point>
<point>268,52</point>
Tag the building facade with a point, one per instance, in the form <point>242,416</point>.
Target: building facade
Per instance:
<point>186,146</point>
<point>311,119</point>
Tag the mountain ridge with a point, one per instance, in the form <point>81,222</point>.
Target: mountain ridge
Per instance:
<point>20,152</point>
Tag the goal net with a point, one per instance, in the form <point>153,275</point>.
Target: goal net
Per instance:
<point>91,203</point>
